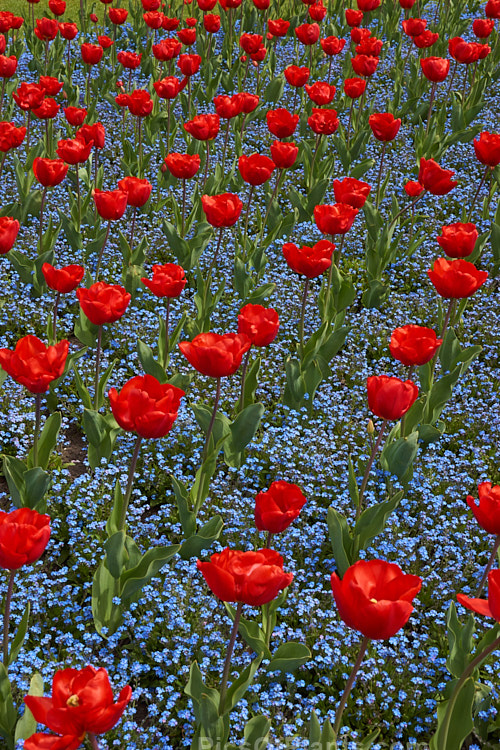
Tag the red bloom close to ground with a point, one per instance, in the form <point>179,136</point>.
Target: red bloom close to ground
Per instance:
<point>354,87</point>
<point>390,398</point>
<point>29,96</point>
<point>222,210</point>
<point>260,324</point>
<point>332,45</point>
<point>49,172</point>
<point>435,69</point>
<point>216,355</point>
<point>110,204</point>
<point>364,65</point>
<point>414,345</point>
<point>33,364</point>
<point>91,53</point>
<point>9,228</point>
<point>140,103</point>
<point>434,178</point>
<point>487,148</point>
<point>281,122</point>
<point>482,27</point>
<point>335,219</point>
<point>203,127</point>
<point>307,33</point>
<point>278,27</point>
<point>168,280</point>
<point>351,191</point>
<point>296,76</point>
<point>384,126</point>
<point>456,278</point>
<point>168,87</point>
<point>278,507</point>
<point>103,303</point>
<point>183,166</point>
<point>255,169</point>
<point>63,280</point>
<point>487,509</point>
<point>74,150</point>
<point>321,92</point>
<point>284,154</point>
<point>8,66</point>
<point>489,607</point>
<point>75,115</point>
<point>146,406</point>
<point>24,535</point>
<point>138,190</point>
<point>323,121</point>
<point>309,261</point>
<point>81,702</point>
<point>254,578</point>
<point>130,60</point>
<point>375,597</point>
<point>458,240</point>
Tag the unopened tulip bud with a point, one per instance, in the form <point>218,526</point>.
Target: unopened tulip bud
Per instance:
<point>370,428</point>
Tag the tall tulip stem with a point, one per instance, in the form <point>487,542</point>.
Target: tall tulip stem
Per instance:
<point>431,102</point>
<point>349,684</point>
<point>212,420</point>
<point>302,316</point>
<point>226,140</point>
<point>207,162</point>
<point>97,369</point>
<point>132,229</point>
<point>483,178</point>
<point>183,207</point>
<point>92,738</point>
<point>227,663</point>
<point>368,469</point>
<point>130,482</point>
<point>349,123</point>
<point>40,229</point>
<point>250,194</point>
<point>54,317</point>
<point>167,340</point>
<point>243,377</point>
<point>38,419</point>
<point>6,617</point>
<point>379,179</point>
<point>99,260</point>
<point>489,566</point>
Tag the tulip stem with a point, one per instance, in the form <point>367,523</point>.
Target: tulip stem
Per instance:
<point>79,197</point>
<point>139,138</point>
<point>168,126</point>
<point>466,674</point>
<point>405,208</point>
<point>205,176</point>
<point>338,255</point>
<point>97,368</point>
<point>273,196</point>
<point>6,616</point>
<point>183,207</point>
<point>488,566</point>
<point>38,418</point>
<point>92,737</point>
<point>132,229</point>
<point>167,341</point>
<point>349,124</point>
<point>483,178</point>
<point>269,539</point>
<point>130,482</point>
<point>227,663</point>
<point>311,177</point>
<point>349,684</point>
<point>384,147</point>
<point>226,140</point>
<point>54,317</point>
<point>250,194</point>
<point>2,95</point>
<point>243,376</point>
<point>40,229</point>
<point>369,465</point>
<point>431,102</point>
<point>99,260</point>
<point>302,316</point>
<point>212,420</point>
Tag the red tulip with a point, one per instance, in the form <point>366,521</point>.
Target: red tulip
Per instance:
<point>487,509</point>
<point>146,406</point>
<point>296,76</point>
<point>307,33</point>
<point>167,49</point>
<point>8,66</point>
<point>320,92</point>
<point>458,240</point>
<point>168,280</point>
<point>375,597</point>
<point>354,87</point>
<point>281,123</point>
<point>62,280</point>
<point>487,148</point>
<point>284,154</point>
<point>489,607</point>
<point>81,702</point>
<point>482,27</point>
<point>260,324</point>
<point>228,107</point>
<point>129,60</point>
<point>169,87</point>
<point>49,172</point>
<point>110,204</point>
<point>414,26</point>
<point>68,30</point>
<point>250,43</point>
<point>189,65</point>
<point>456,278</point>
<point>353,17</point>
<point>351,191</point>
<point>255,169</point>
<point>140,103</point>
<point>138,190</point>
<point>203,127</point>
<point>309,261</point>
<point>435,69</point>
<point>414,345</point>
<point>278,507</point>
<point>103,303</point>
<point>74,150</point>
<point>216,355</point>
<point>426,39</point>
<point>323,121</point>
<point>9,228</point>
<point>33,364</point>
<point>278,27</point>
<point>75,115</point>
<point>46,29</point>
<point>390,398</point>
<point>413,189</point>
<point>222,210</point>
<point>254,578</point>
<point>434,178</point>
<point>332,45</point>
<point>29,96</point>
<point>91,53</point>
<point>384,126</point>
<point>118,15</point>
<point>492,9</point>
<point>24,535</point>
<point>11,136</point>
<point>364,65</point>
<point>336,219</point>
<point>211,23</point>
